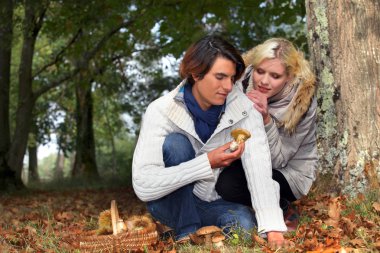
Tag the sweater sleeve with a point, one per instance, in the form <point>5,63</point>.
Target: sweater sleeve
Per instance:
<point>151,180</point>
<point>257,166</point>
<point>284,146</point>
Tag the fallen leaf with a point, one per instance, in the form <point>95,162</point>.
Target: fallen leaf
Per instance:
<point>259,240</point>
<point>377,245</point>
<point>330,250</point>
<point>31,230</point>
<point>376,206</point>
<point>348,226</point>
<point>61,216</point>
<point>334,209</point>
<point>357,242</point>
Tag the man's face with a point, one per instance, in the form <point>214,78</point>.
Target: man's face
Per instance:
<point>215,85</point>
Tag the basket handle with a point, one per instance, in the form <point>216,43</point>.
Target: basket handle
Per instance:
<point>114,216</point>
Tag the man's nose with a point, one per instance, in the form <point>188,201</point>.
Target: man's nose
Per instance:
<point>227,85</point>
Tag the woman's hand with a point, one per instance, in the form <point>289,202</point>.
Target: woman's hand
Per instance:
<point>260,103</point>
<point>220,158</point>
<point>276,240</point>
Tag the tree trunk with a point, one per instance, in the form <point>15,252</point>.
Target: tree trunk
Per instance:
<point>6,15</point>
<point>344,41</point>
<point>112,140</point>
<point>26,98</point>
<point>59,165</point>
<point>33,164</point>
<point>85,158</point>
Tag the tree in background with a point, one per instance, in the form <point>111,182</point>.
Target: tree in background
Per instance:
<point>344,42</point>
<point>56,42</point>
<point>6,32</point>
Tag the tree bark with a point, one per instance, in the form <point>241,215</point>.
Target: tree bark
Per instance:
<point>6,16</point>
<point>34,14</point>
<point>33,164</point>
<point>59,165</point>
<point>112,140</point>
<point>85,158</point>
<point>32,175</point>
<point>344,41</point>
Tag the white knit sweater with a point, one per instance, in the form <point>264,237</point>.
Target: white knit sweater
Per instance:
<point>151,180</point>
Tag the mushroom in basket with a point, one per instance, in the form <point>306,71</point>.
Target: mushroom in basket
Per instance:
<point>240,135</point>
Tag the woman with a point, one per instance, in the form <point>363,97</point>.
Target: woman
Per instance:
<point>182,148</point>
<point>279,82</point>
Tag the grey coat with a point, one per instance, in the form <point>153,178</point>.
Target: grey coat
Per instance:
<point>292,133</point>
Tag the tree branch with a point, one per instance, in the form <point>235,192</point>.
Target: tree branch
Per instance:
<point>83,62</point>
<point>59,54</point>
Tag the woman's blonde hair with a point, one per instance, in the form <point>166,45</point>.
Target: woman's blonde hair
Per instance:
<point>279,48</point>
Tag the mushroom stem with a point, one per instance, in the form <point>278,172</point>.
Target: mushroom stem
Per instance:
<point>208,240</point>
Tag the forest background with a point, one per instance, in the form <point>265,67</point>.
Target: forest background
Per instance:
<point>82,73</point>
<point>79,74</point>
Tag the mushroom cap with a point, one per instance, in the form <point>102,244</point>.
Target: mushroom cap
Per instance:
<point>207,230</point>
<point>240,132</point>
<point>217,238</point>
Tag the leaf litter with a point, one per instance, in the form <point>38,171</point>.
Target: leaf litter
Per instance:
<point>51,221</point>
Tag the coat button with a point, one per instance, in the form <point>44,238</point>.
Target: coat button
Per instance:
<point>244,113</point>
<point>230,121</point>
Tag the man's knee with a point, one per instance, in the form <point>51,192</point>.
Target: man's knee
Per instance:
<point>242,217</point>
<point>177,149</point>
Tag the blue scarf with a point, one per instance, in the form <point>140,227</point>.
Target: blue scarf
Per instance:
<point>205,122</point>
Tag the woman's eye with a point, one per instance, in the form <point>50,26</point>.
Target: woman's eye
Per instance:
<point>275,76</point>
<point>260,71</point>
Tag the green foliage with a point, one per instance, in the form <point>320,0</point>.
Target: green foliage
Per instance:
<point>363,205</point>
<point>119,46</point>
<point>118,164</point>
<point>46,167</point>
<point>114,168</point>
<point>238,236</point>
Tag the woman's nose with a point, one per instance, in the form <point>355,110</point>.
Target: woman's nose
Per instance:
<point>265,80</point>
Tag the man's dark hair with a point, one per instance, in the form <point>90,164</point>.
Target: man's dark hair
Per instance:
<point>201,55</point>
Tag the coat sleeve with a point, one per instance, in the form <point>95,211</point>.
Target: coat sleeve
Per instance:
<point>264,190</point>
<point>151,180</point>
<point>283,146</point>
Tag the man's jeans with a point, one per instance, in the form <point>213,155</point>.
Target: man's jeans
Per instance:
<point>185,212</point>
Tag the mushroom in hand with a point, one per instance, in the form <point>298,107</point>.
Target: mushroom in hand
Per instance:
<point>240,135</point>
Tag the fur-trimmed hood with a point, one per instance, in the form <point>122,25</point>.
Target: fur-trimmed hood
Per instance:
<point>302,95</point>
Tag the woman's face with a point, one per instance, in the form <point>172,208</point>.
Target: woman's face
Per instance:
<point>214,87</point>
<point>270,77</point>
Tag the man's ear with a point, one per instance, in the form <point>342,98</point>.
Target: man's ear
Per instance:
<point>195,78</point>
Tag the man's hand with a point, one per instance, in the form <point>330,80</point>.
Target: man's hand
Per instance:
<point>260,101</point>
<point>276,240</point>
<point>220,158</point>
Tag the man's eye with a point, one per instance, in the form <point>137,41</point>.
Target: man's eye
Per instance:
<point>219,77</point>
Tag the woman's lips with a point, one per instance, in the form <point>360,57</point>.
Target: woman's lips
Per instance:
<point>263,89</point>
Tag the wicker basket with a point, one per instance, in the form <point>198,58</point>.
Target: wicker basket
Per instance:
<point>124,242</point>
<point>119,241</point>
